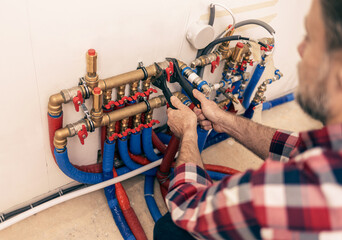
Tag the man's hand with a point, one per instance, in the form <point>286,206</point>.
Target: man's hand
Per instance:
<point>210,116</point>
<point>181,121</point>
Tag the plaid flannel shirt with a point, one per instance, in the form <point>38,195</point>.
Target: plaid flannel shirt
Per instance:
<point>295,194</point>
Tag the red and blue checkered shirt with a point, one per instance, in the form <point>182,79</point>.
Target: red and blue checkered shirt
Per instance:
<point>295,194</point>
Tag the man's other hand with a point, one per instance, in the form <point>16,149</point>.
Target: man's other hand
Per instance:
<point>210,115</point>
<point>182,120</point>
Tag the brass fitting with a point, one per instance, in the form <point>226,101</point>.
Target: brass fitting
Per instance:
<point>184,99</point>
<point>224,47</point>
<point>91,78</point>
<point>92,82</point>
<point>55,104</point>
<point>136,120</point>
<point>148,117</point>
<point>97,112</point>
<point>124,124</point>
<point>146,84</point>
<point>134,87</point>
<point>205,60</point>
<point>237,54</point>
<point>65,96</point>
<point>91,59</point>
<point>61,135</point>
<point>223,103</point>
<point>111,129</point>
<point>120,92</point>
<point>107,96</point>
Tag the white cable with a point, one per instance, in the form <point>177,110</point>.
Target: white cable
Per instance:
<point>78,193</point>
<point>231,14</point>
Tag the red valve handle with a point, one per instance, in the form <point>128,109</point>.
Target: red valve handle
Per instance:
<point>215,64</point>
<point>82,134</point>
<point>169,71</point>
<point>78,100</point>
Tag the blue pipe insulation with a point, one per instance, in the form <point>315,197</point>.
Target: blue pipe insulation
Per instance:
<point>164,137</point>
<point>259,70</point>
<point>270,104</point>
<point>118,216</point>
<point>123,151</point>
<point>149,198</point>
<point>148,145</point>
<point>107,167</point>
<point>202,137</point>
<point>135,143</point>
<point>68,169</point>
<point>217,175</point>
<point>250,110</point>
<point>108,159</point>
<point>219,137</point>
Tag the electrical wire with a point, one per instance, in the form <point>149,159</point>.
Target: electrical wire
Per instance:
<point>231,14</point>
<point>76,194</point>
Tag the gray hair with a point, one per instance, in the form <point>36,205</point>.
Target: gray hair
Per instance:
<point>332,16</point>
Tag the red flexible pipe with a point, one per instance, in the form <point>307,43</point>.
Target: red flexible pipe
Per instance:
<point>138,159</point>
<point>103,137</point>
<point>164,169</point>
<point>128,212</point>
<point>54,125</point>
<point>157,143</point>
<point>220,169</point>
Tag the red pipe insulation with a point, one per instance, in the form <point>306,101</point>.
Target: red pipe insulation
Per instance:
<point>138,159</point>
<point>158,144</point>
<point>220,169</point>
<point>128,212</point>
<point>54,125</point>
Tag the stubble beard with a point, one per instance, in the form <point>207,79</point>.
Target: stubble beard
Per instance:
<point>315,102</point>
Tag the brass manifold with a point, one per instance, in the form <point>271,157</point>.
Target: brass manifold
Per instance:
<point>61,135</point>
<point>106,85</point>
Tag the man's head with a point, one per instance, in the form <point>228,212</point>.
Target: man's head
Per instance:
<point>320,71</point>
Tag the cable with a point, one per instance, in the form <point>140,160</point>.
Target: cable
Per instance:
<point>76,194</point>
<point>231,14</point>
<point>212,15</point>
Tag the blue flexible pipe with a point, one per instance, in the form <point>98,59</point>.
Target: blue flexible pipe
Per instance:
<point>164,137</point>
<point>149,198</point>
<point>259,70</point>
<point>123,151</point>
<point>202,137</point>
<point>135,143</point>
<point>107,167</point>
<point>68,169</point>
<point>122,170</point>
<point>119,219</point>
<point>216,175</point>
<point>250,110</point>
<point>270,104</point>
<point>148,145</point>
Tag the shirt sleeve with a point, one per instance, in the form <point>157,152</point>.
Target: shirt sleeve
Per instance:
<point>223,210</point>
<point>283,143</point>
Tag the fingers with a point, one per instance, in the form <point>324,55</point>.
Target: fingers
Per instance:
<point>206,125</point>
<point>197,94</point>
<point>177,103</point>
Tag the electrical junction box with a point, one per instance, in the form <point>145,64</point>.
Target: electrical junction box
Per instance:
<point>200,35</point>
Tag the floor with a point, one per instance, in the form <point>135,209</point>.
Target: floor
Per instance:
<point>88,217</point>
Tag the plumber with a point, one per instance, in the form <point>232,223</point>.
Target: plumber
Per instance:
<point>297,192</point>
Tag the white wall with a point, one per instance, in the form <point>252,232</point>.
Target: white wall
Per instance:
<point>43,51</point>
